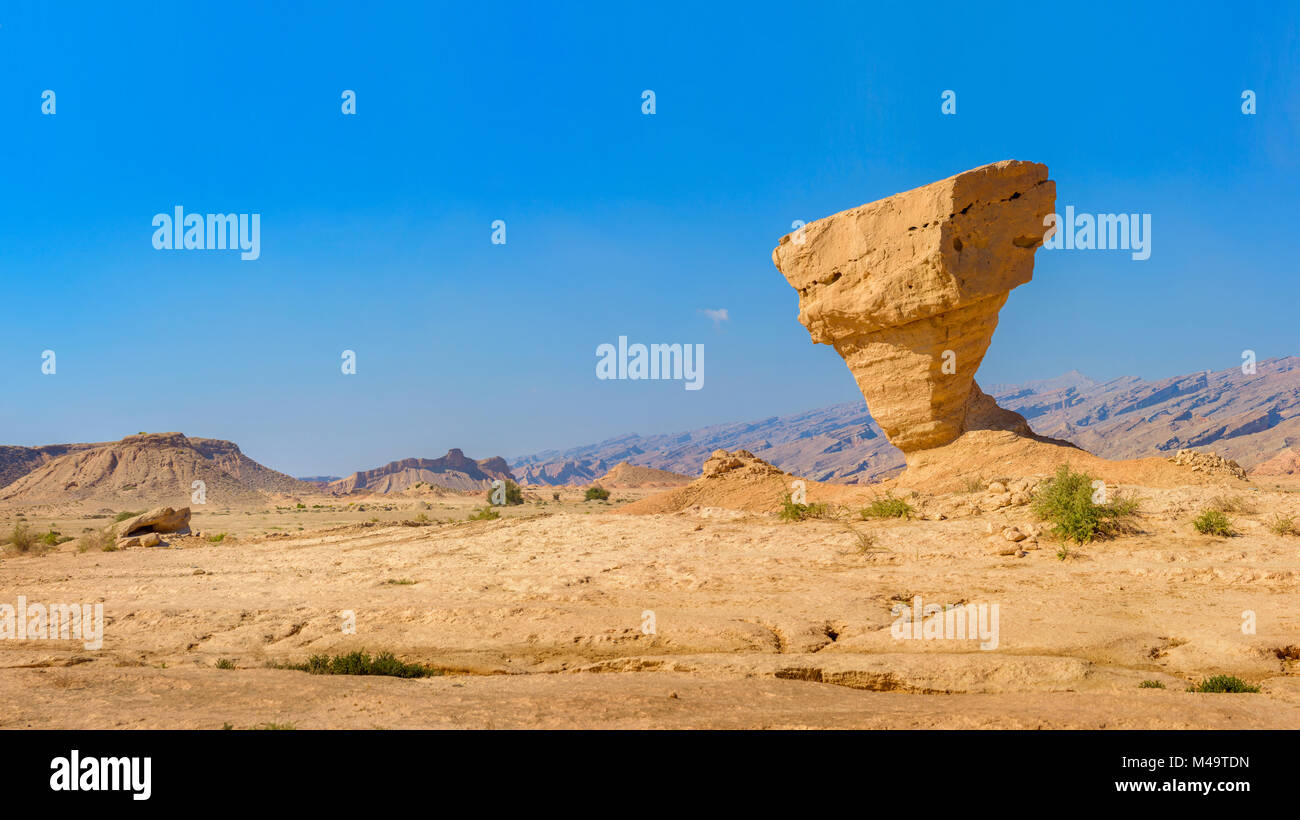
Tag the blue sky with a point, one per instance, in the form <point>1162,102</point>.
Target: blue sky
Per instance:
<point>375,228</point>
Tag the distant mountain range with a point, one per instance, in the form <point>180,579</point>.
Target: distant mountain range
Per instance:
<point>454,471</point>
<point>1246,417</point>
<point>1251,418</point>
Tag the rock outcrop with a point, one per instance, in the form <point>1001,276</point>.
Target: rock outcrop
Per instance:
<point>163,519</point>
<point>907,290</point>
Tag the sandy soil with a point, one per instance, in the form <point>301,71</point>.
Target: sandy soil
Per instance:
<point>540,619</point>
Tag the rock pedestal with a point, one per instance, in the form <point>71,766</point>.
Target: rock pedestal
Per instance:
<point>907,290</point>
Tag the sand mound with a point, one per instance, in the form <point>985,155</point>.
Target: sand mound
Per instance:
<point>992,454</point>
<point>739,480</point>
<point>625,475</point>
<point>151,469</point>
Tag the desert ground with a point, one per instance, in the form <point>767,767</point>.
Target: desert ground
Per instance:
<point>539,619</point>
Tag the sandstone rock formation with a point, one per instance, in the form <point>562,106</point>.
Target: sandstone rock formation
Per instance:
<point>163,519</point>
<point>907,290</point>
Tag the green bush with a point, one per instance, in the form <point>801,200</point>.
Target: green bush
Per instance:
<point>225,663</point>
<point>514,495</point>
<point>1213,522</point>
<point>887,507</point>
<point>1151,684</point>
<point>1283,525</point>
<point>122,516</point>
<point>485,514</point>
<point>218,538</point>
<point>22,538</point>
<point>1065,501</point>
<point>360,663</point>
<point>596,494</point>
<point>794,511</point>
<point>1223,683</point>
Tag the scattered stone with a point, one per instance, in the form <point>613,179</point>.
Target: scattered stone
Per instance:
<point>1208,463</point>
<point>997,487</point>
<point>150,539</point>
<point>1013,534</point>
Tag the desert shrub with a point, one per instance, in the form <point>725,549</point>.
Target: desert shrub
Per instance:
<point>1283,525</point>
<point>794,511</point>
<point>22,538</point>
<point>1065,501</point>
<point>53,538</point>
<point>596,494</point>
<point>866,541</point>
<point>360,663</point>
<point>1231,504</point>
<point>1223,683</point>
<point>218,538</point>
<point>887,507</point>
<point>555,496</point>
<point>225,663</point>
<point>1151,684</point>
<point>485,514</point>
<point>514,495</point>
<point>122,516</point>
<point>974,485</point>
<point>274,727</point>
<point>1213,522</point>
<point>103,540</point>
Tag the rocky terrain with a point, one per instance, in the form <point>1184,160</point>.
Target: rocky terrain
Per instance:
<point>553,616</point>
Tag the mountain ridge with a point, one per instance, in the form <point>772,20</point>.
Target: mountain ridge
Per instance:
<point>1248,417</point>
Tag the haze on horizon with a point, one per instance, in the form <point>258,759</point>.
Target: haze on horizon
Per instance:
<point>376,228</point>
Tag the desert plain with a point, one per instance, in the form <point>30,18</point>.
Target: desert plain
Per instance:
<point>538,619</point>
<point>738,596</point>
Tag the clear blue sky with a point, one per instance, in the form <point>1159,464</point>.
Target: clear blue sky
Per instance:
<point>375,228</point>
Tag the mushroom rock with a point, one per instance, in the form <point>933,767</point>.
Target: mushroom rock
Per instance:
<point>907,290</point>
